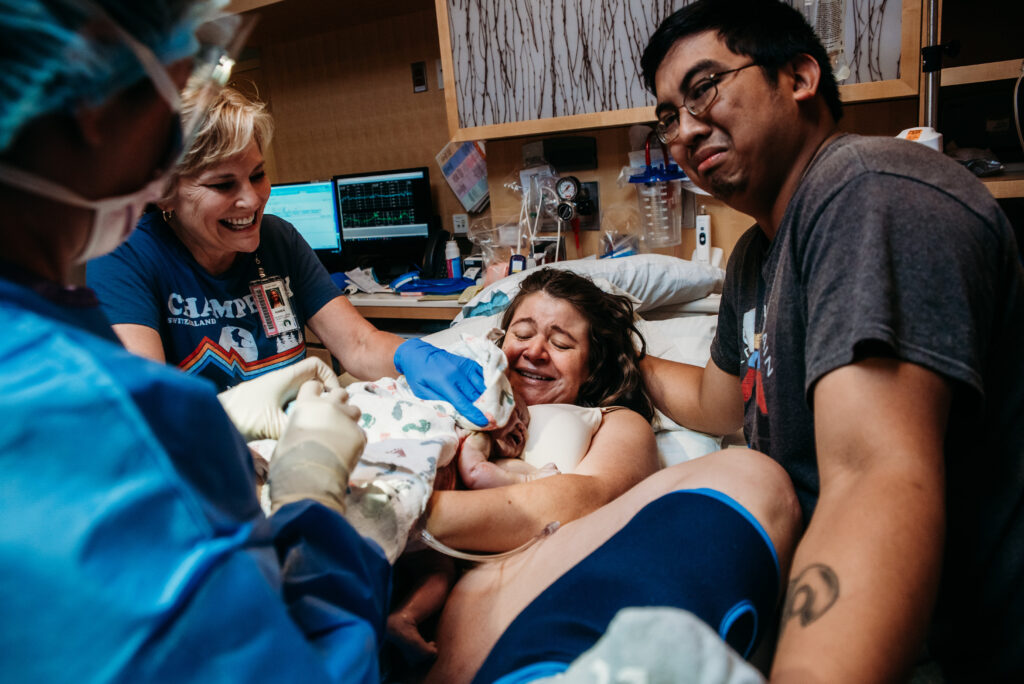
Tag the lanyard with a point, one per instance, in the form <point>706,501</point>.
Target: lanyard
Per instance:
<point>272,302</point>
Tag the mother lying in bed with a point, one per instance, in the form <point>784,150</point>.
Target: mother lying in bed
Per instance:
<point>712,536</point>
<point>567,342</point>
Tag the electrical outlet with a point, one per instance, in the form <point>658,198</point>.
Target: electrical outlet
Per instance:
<point>460,224</point>
<point>419,77</point>
<point>591,221</point>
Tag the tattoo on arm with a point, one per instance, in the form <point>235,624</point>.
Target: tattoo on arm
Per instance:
<point>810,594</point>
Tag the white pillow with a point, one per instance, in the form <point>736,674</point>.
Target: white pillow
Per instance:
<point>476,326</point>
<point>686,339</point>
<point>656,280</point>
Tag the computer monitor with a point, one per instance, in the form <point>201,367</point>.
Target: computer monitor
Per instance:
<point>311,208</point>
<point>385,217</point>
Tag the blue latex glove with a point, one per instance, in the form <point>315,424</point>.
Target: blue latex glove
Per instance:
<point>433,373</point>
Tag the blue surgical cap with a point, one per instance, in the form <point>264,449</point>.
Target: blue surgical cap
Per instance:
<point>56,54</point>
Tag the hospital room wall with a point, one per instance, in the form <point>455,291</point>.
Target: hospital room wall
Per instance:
<point>337,79</point>
<point>505,159</point>
<point>339,85</point>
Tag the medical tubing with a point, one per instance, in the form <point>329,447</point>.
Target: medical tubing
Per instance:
<point>437,545</point>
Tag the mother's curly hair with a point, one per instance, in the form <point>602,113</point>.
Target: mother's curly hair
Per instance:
<point>614,361</point>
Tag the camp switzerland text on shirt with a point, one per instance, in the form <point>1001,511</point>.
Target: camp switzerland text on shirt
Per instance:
<point>185,310</point>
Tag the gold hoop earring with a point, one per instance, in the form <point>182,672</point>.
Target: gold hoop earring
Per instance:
<point>168,214</point>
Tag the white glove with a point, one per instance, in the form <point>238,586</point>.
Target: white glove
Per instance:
<point>318,449</point>
<point>256,406</point>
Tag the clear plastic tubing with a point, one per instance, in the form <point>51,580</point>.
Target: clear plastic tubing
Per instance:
<point>433,543</point>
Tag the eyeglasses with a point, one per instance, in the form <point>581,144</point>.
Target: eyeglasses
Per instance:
<point>696,100</point>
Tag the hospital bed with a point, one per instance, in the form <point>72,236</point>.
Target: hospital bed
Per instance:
<point>676,300</point>
<point>677,304</point>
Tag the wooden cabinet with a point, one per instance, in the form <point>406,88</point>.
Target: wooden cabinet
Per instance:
<point>533,68</point>
<point>989,59</point>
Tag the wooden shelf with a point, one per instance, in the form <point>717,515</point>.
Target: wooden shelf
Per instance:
<point>409,312</point>
<point>1006,186</point>
<point>408,308</point>
<point>982,73</point>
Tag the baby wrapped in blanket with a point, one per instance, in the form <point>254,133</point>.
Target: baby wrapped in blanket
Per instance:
<point>410,441</point>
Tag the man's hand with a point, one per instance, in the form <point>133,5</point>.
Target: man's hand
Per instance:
<point>256,407</point>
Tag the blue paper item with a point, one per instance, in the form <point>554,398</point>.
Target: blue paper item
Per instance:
<point>434,285</point>
<point>340,279</point>
<point>498,302</point>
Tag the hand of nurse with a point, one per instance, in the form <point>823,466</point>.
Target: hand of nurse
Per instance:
<point>433,373</point>
<point>320,445</point>
<point>256,407</point>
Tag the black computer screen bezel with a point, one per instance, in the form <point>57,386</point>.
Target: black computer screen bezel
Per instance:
<point>394,254</point>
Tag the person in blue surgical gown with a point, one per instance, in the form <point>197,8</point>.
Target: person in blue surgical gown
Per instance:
<point>132,547</point>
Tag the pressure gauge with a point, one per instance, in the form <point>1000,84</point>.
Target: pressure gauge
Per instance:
<point>567,188</point>
<point>566,211</point>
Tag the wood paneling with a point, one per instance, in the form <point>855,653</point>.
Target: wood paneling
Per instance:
<point>340,89</point>
<point>516,69</point>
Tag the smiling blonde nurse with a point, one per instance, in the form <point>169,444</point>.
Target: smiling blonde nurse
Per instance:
<point>213,285</point>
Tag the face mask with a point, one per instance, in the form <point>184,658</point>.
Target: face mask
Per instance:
<point>113,217</point>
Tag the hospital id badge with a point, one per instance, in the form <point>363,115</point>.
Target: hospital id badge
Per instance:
<point>274,306</point>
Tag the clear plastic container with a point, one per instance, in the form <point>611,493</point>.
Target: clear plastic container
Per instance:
<point>661,212</point>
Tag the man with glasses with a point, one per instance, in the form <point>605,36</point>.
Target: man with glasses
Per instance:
<point>868,340</point>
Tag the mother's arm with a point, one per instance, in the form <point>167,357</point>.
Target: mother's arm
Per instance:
<point>621,454</point>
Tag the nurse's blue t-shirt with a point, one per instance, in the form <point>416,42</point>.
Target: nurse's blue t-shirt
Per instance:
<point>209,324</point>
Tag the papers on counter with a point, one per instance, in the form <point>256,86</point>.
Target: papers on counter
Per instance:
<point>363,280</point>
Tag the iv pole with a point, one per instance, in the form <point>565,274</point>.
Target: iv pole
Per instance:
<point>931,66</point>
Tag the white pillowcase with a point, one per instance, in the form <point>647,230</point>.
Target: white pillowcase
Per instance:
<point>655,280</point>
<point>686,339</point>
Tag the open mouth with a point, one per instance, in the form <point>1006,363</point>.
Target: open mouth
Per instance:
<point>532,376</point>
<point>239,224</point>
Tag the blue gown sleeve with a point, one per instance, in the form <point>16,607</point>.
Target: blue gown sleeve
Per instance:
<point>132,546</point>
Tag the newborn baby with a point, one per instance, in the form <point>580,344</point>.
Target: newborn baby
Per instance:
<point>485,459</point>
<point>493,458</point>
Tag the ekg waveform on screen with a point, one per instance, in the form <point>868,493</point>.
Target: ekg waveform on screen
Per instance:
<point>387,203</point>
<point>397,217</point>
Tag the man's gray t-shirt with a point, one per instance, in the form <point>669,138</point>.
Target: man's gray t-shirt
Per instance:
<point>889,249</point>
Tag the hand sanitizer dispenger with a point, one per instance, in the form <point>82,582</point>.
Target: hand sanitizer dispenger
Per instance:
<point>702,252</point>
<point>453,259</point>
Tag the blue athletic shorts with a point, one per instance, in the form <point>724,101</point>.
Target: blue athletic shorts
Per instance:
<point>694,549</point>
